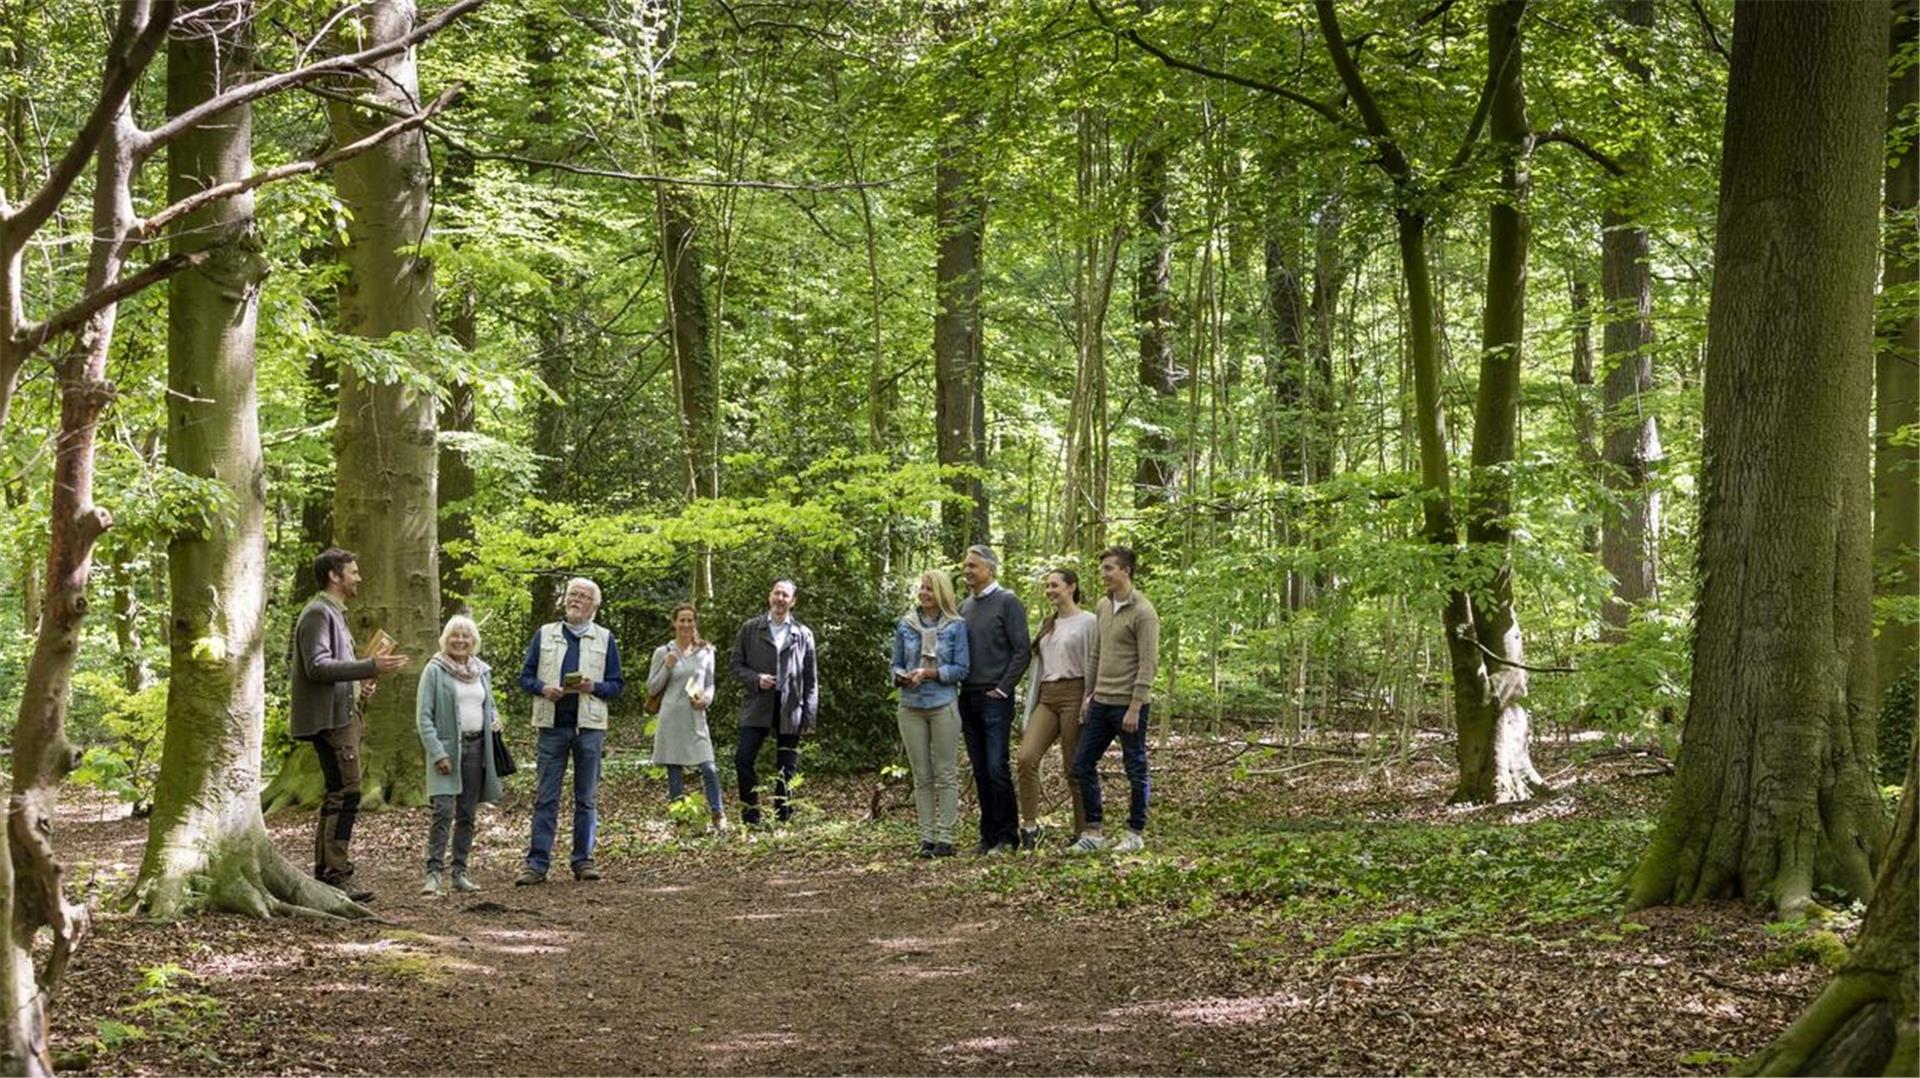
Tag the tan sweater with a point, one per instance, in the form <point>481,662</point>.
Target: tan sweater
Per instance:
<point>1124,655</point>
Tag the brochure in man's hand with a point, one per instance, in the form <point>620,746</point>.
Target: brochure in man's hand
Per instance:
<point>377,644</point>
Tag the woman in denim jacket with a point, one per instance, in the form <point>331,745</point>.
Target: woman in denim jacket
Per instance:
<point>929,663</point>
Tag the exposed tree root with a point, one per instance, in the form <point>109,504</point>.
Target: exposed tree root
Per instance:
<point>242,874</point>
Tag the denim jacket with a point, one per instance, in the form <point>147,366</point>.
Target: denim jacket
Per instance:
<point>951,655</point>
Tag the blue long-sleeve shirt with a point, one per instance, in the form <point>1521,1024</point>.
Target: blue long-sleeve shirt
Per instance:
<point>566,711</point>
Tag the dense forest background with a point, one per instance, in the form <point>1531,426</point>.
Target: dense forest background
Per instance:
<point>1381,331</point>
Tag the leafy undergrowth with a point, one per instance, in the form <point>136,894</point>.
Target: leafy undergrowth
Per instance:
<point>1357,886</point>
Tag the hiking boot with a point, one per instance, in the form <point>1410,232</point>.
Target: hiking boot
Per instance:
<point>925,852</point>
<point>432,886</point>
<point>586,871</point>
<point>943,849</point>
<point>718,825</point>
<point>1130,841</point>
<point>1029,838</point>
<point>1087,844</point>
<point>464,883</point>
<point>529,877</point>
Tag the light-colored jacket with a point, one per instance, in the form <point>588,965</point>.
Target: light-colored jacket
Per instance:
<point>437,711</point>
<point>951,660</point>
<point>680,735</point>
<point>593,666</point>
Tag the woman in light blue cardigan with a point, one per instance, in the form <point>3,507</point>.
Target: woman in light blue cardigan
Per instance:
<point>456,717</point>
<point>930,658</point>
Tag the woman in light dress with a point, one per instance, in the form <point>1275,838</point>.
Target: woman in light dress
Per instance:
<point>681,674</point>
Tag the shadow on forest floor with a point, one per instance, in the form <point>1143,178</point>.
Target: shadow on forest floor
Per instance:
<point>1284,919</point>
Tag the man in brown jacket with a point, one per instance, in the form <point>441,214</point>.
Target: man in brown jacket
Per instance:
<point>327,697</point>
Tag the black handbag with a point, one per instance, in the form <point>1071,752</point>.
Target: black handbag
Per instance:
<point>503,764</point>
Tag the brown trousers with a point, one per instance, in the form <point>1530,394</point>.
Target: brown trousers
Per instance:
<point>1056,717</point>
<point>339,753</point>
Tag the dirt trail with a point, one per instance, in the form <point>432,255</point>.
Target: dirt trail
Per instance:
<point>705,961</point>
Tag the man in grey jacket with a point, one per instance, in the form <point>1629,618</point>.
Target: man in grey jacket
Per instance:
<point>998,644</point>
<point>774,662</point>
<point>329,688</point>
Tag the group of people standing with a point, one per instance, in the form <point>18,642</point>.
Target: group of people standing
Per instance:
<point>958,667</point>
<point>1089,681</point>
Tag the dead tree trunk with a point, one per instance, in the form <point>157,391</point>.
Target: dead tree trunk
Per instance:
<point>207,844</point>
<point>1489,694</point>
<point>1774,795</point>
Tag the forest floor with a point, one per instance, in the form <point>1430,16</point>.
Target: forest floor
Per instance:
<point>1294,913</point>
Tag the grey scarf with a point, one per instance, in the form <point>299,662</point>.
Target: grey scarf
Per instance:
<point>469,671</point>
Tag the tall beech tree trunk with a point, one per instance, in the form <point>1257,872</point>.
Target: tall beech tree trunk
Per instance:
<point>384,503</point>
<point>695,385</point>
<point>1864,1021</point>
<point>1161,376</point>
<point>1774,794</point>
<point>1580,296</point>
<point>207,844</point>
<point>454,486</point>
<point>960,227</point>
<point>1896,373</point>
<point>1630,440</point>
<point>1490,681</point>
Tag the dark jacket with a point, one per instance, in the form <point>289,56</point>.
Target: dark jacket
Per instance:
<point>324,670</point>
<point>797,690</point>
<point>997,643</point>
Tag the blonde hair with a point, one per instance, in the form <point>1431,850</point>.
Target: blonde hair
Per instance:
<point>942,593</point>
<point>456,623</point>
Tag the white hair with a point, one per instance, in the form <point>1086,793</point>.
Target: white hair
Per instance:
<point>583,582</point>
<point>455,624</point>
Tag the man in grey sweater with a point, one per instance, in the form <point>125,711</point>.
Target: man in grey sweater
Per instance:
<point>329,687</point>
<point>998,644</point>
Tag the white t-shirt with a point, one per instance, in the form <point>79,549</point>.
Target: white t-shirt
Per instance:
<point>1063,651</point>
<point>471,696</point>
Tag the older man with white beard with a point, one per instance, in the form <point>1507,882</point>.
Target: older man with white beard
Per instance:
<point>572,670</point>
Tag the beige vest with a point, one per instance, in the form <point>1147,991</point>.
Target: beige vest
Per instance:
<point>593,666</point>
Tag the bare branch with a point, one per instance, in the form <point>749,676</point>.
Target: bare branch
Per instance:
<point>32,337</point>
<point>153,225</point>
<point>456,141</point>
<point>1707,27</point>
<point>1484,107</point>
<point>1326,111</point>
<point>133,50</point>
<point>253,91</point>
<point>1391,159</point>
<point>1567,138</point>
<point>1466,634</point>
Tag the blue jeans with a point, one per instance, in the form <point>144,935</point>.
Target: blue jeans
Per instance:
<point>709,778</point>
<point>986,724</point>
<point>1098,727</point>
<point>557,743</point>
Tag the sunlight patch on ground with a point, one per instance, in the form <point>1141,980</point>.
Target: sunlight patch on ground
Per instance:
<point>977,1045</point>
<point>922,973</point>
<point>752,1043</point>
<point>523,941</point>
<point>1217,1011</point>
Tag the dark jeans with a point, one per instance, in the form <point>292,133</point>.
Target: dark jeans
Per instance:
<point>557,744</point>
<point>455,812</point>
<point>986,724</point>
<point>709,778</point>
<point>1098,727</point>
<point>786,757</point>
<point>339,752</point>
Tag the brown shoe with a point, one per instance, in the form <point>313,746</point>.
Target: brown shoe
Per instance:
<point>585,871</point>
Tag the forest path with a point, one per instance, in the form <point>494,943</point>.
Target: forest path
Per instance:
<point>822,950</point>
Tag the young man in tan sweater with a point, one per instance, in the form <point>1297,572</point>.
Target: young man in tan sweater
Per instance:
<point>1121,663</point>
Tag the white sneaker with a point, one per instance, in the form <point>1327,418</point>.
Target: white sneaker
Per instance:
<point>1088,844</point>
<point>432,886</point>
<point>1130,841</point>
